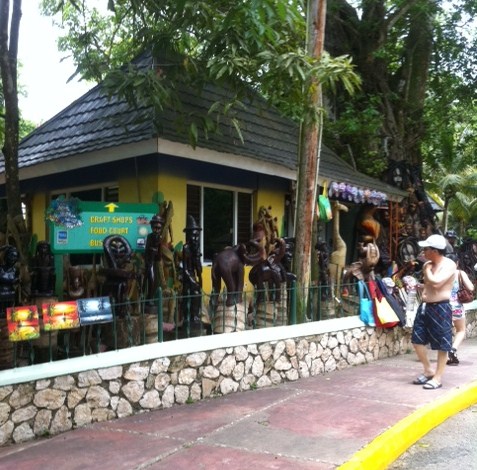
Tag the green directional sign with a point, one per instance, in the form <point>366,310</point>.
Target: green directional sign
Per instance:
<point>81,227</point>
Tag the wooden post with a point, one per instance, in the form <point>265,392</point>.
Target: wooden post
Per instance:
<point>308,165</point>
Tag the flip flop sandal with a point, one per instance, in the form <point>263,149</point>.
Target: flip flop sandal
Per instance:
<point>432,385</point>
<point>422,379</point>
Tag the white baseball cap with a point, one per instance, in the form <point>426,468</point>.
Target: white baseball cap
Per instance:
<point>434,241</point>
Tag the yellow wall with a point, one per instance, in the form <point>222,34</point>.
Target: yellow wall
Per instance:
<point>273,199</point>
<point>38,208</point>
<point>174,189</point>
<point>134,192</point>
<point>171,188</point>
<point>207,280</point>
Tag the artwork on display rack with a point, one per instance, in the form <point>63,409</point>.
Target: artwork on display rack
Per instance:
<point>60,316</point>
<point>23,323</point>
<point>95,310</point>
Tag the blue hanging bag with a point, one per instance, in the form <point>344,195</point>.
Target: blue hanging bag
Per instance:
<point>365,304</point>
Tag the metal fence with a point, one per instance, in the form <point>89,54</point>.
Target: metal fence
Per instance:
<point>170,317</point>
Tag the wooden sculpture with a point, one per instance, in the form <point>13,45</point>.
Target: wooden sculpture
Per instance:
<point>43,271</point>
<point>369,231</point>
<point>338,256</point>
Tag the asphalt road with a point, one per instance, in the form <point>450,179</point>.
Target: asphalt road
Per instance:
<point>452,445</point>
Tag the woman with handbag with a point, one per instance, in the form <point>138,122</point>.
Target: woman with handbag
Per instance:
<point>458,312</point>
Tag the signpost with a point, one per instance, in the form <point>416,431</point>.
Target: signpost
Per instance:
<point>82,228</point>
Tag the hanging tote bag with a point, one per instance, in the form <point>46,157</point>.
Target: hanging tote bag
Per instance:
<point>463,294</point>
<point>323,209</point>
<point>384,314</point>
<point>365,304</point>
<point>393,301</point>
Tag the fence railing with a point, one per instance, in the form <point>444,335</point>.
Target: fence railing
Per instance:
<point>170,317</point>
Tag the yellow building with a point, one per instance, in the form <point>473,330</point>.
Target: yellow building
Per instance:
<point>100,149</point>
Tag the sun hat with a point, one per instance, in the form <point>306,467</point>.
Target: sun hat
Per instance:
<point>434,241</point>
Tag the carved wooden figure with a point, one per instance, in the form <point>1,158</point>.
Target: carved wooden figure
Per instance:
<point>369,257</point>
<point>153,258</point>
<point>322,252</point>
<point>9,278</point>
<point>43,271</point>
<point>338,255</point>
<point>228,265</point>
<point>270,271</point>
<point>75,283</point>
<point>192,270</point>
<point>118,270</point>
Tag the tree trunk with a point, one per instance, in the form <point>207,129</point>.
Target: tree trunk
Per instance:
<point>445,215</point>
<point>307,176</point>
<point>9,34</point>
<point>401,90</point>
<point>395,82</point>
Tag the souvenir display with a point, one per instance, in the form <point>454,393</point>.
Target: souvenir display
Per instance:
<point>60,315</point>
<point>95,310</point>
<point>365,304</point>
<point>349,192</point>
<point>23,323</point>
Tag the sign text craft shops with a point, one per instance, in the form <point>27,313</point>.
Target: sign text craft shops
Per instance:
<point>81,227</point>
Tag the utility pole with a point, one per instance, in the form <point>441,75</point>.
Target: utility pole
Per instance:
<point>308,165</point>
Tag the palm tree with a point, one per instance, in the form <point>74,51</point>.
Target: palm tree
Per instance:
<point>457,188</point>
<point>463,205</point>
<point>448,166</point>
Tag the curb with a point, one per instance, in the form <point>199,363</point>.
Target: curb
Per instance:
<point>388,446</point>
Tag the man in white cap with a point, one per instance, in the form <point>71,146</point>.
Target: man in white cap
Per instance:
<point>433,323</point>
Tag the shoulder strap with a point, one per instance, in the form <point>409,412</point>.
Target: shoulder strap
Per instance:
<point>363,290</point>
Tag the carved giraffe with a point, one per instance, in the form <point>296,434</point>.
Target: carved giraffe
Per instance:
<point>338,256</point>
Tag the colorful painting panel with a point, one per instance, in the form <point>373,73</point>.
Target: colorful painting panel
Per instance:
<point>60,315</point>
<point>95,310</point>
<point>23,323</point>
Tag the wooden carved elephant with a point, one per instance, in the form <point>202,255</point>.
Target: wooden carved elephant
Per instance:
<point>228,265</point>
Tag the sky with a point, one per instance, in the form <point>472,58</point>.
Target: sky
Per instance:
<point>43,75</point>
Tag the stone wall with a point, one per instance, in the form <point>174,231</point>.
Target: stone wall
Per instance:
<point>48,406</point>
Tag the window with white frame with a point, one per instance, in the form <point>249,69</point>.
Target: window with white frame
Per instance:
<point>108,192</point>
<point>224,214</point>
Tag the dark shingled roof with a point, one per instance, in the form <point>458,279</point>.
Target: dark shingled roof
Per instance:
<point>94,122</point>
<point>88,124</point>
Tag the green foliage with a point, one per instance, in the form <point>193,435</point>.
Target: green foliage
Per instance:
<point>472,233</point>
<point>417,61</point>
<point>449,146</point>
<point>413,102</point>
<point>253,46</point>
<point>289,80</point>
<point>262,43</point>
<point>355,136</point>
<point>26,127</point>
<point>452,176</point>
